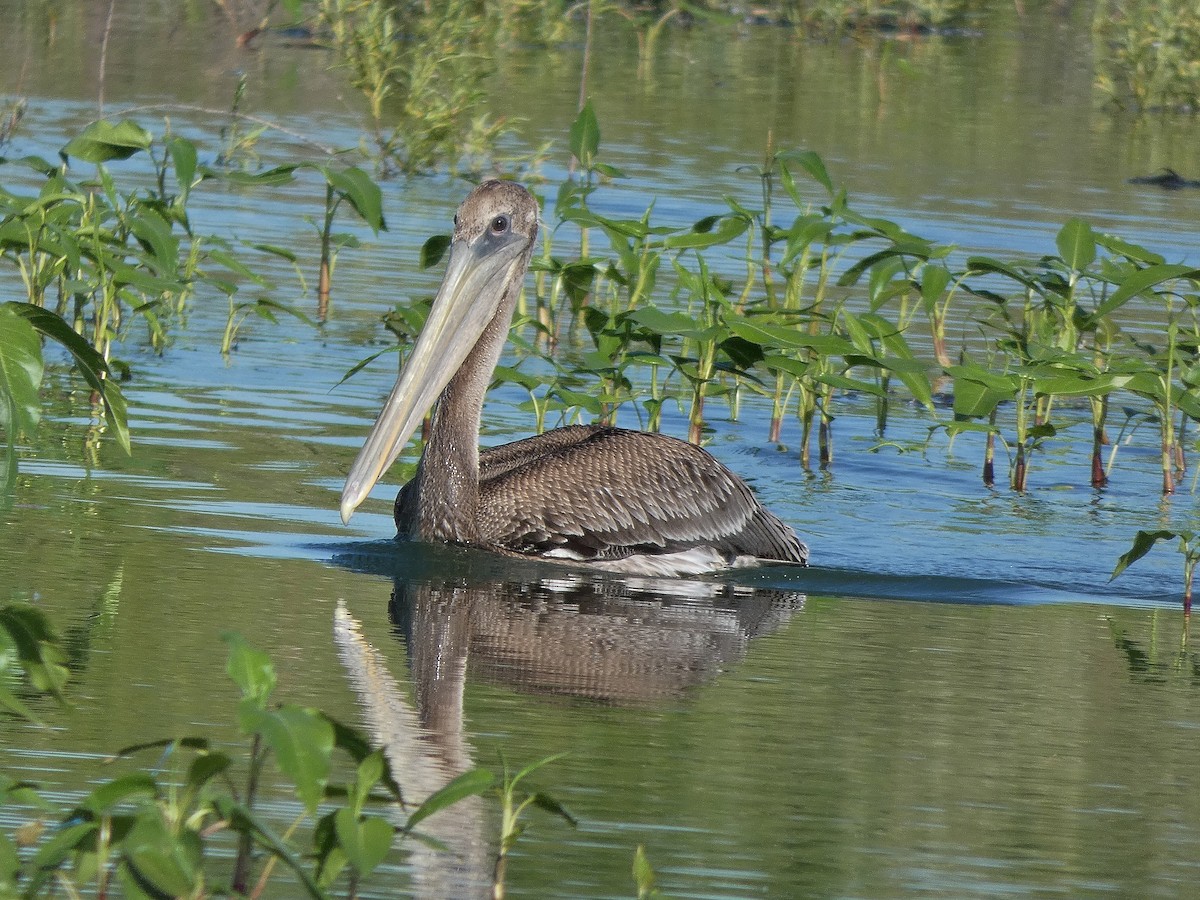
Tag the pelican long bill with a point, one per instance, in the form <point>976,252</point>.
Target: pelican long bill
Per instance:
<point>478,267</point>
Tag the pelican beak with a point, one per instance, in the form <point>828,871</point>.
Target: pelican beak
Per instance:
<point>478,274</point>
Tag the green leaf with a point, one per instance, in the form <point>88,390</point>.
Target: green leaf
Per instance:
<point>370,770</point>
<point>915,249</point>
<point>244,821</point>
<point>54,852</point>
<point>731,227</point>
<point>1141,281</point>
<point>102,141</point>
<point>183,155</point>
<point>787,365</point>
<point>365,841</point>
<point>1143,542</point>
<point>979,265</point>
<point>167,862</point>
<point>1130,251</point>
<point>89,363</point>
<point>585,136</point>
<point>302,741</point>
<point>20,376</point>
<point>199,744</point>
<point>643,873</point>
<point>233,264</point>
<point>10,701</point>
<point>276,250</point>
<point>10,864</point>
<point>977,391</point>
<point>156,233</point>
<point>36,645</point>
<point>934,280</point>
<point>1077,244</point>
<point>812,163</point>
<point>103,799</point>
<point>551,805</point>
<point>787,337</point>
<point>433,250</point>
<point>250,669</point>
<point>468,784</point>
<point>668,323</point>
<point>205,767</point>
<point>360,189</point>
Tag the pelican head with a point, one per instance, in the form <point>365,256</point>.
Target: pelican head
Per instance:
<point>494,233</point>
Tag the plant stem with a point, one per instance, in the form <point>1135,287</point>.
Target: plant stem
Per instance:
<point>324,275</point>
<point>1099,414</point>
<point>241,867</point>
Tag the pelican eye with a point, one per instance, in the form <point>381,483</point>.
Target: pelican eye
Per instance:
<point>499,225</point>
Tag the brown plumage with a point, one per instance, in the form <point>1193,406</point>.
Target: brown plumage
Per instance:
<point>617,499</point>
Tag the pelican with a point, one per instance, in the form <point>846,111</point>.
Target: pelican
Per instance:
<point>610,498</point>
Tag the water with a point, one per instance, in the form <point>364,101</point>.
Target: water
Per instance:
<point>954,701</point>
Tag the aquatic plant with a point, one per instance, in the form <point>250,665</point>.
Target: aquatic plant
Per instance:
<point>902,15</point>
<point>30,646</point>
<point>95,259</point>
<point>11,114</point>
<point>154,834</point>
<point>344,185</point>
<point>643,875</point>
<point>513,803</point>
<point>23,326</point>
<point>1148,54</point>
<point>421,70</point>
<point>1188,546</point>
<point>237,141</point>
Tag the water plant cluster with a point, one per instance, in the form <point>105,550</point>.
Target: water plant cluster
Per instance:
<point>98,260</point>
<point>1149,54</point>
<point>802,300</point>
<point>793,297</point>
<point>185,823</point>
<point>422,69</point>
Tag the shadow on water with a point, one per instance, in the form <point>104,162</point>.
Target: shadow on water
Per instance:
<point>541,628</point>
<point>538,629</point>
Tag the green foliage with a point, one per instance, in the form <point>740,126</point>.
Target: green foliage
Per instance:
<point>906,15</point>
<point>1188,546</point>
<point>155,834</point>
<point>824,308</point>
<point>96,259</point>
<point>421,69</point>
<point>513,803</point>
<point>29,644</point>
<point>643,875</point>
<point>1148,53</point>
<point>20,377</point>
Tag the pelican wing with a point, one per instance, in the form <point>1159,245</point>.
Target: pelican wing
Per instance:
<point>596,493</point>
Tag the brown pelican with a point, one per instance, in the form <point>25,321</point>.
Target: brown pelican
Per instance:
<point>620,500</point>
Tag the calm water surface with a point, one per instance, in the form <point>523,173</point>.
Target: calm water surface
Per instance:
<point>953,702</point>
